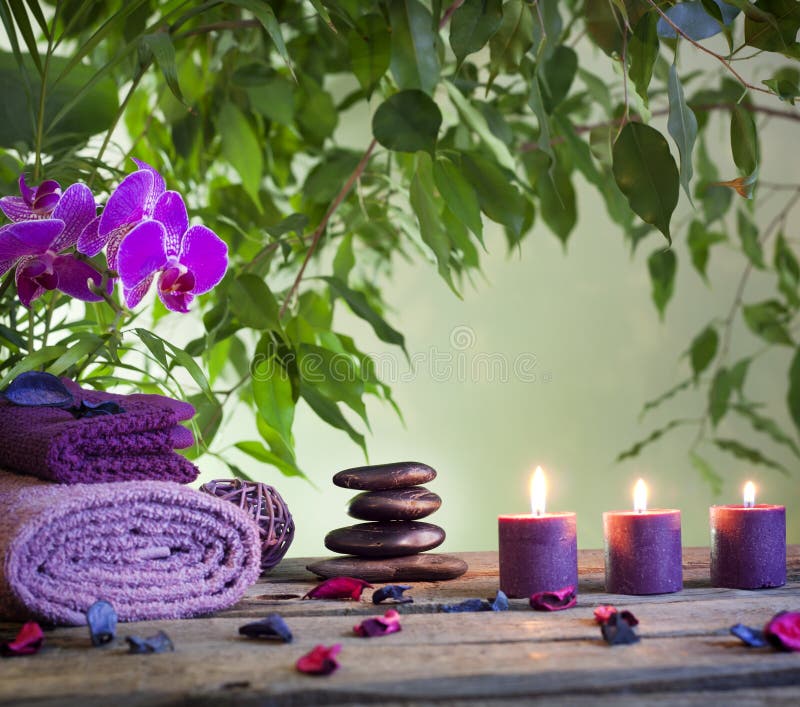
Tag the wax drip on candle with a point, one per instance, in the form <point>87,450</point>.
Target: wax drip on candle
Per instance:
<point>538,492</point>
<point>749,494</point>
<point>640,496</point>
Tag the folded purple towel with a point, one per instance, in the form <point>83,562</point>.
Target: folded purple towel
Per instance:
<point>154,549</point>
<point>137,444</point>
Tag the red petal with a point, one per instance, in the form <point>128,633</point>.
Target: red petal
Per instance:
<point>783,631</point>
<point>320,661</point>
<point>28,641</point>
<point>558,600</point>
<point>603,613</point>
<point>339,588</point>
<point>379,626</point>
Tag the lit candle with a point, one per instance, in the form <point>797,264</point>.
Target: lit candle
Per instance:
<point>643,548</point>
<point>748,544</point>
<point>538,551</point>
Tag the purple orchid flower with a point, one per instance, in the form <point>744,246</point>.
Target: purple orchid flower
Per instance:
<point>132,202</point>
<point>34,246</point>
<point>35,202</point>
<point>190,261</point>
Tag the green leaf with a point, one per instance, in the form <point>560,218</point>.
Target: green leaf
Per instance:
<point>322,11</point>
<point>793,396</point>
<point>266,16</point>
<point>738,374</point>
<point>668,395</point>
<point>259,452</point>
<point>272,390</point>
<point>606,25</point>
<point>767,320</point>
<point>788,270</point>
<point>776,29</point>
<point>655,435</point>
<point>361,308</point>
<point>498,197</point>
<point>458,194</point>
<point>293,223</point>
<point>274,98</point>
<point>753,456</point>
<point>427,212</point>
<point>409,121</point>
<point>241,149</point>
<point>344,260</point>
<point>414,60</point>
<point>253,303</point>
<point>662,265</point>
<point>744,140</point>
<point>703,350</point>
<point>473,24</point>
<point>36,360</point>
<point>86,345</point>
<point>748,233</point>
<point>155,345</point>
<point>334,375</point>
<point>646,173</point>
<point>700,240</point>
<point>158,47</point>
<point>557,202</point>
<point>785,83</point>
<point>708,474</point>
<point>536,103</point>
<point>21,17</point>
<point>329,411</point>
<point>205,423</point>
<point>557,75</point>
<point>642,53</point>
<point>769,427</point>
<point>369,45</point>
<point>719,395</point>
<point>512,40</point>
<point>682,126</point>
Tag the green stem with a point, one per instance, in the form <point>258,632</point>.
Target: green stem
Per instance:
<point>37,167</point>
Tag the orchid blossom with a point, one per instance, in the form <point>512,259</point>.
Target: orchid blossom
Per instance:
<point>35,202</point>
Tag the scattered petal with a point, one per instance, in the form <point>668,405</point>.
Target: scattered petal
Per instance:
<point>558,600</point>
<point>379,626</point>
<point>752,637</point>
<point>102,621</point>
<point>28,641</point>
<point>320,661</point>
<point>339,588</point>
<point>783,631</point>
<point>392,591</point>
<point>36,388</point>
<point>604,612</point>
<point>500,602</point>
<point>88,409</point>
<point>272,627</point>
<point>160,643</point>
<point>467,606</point>
<point>616,631</point>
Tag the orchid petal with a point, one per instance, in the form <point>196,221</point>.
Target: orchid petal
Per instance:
<point>159,185</point>
<point>338,588</point>
<point>28,641</point>
<point>321,660</point>
<point>28,193</point>
<point>176,301</point>
<point>74,276</point>
<point>44,205</point>
<point>26,280</point>
<point>29,238</point>
<point>205,255</point>
<point>76,208</point>
<point>90,242</point>
<point>15,209</point>
<point>141,253</point>
<point>112,247</point>
<point>134,295</point>
<point>127,204</point>
<point>171,211</point>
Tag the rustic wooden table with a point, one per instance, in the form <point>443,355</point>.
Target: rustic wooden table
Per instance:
<point>686,656</point>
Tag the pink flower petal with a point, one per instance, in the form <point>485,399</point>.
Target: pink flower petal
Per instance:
<point>320,661</point>
<point>76,208</point>
<point>205,255</point>
<point>339,588</point>
<point>159,185</point>
<point>141,253</point>
<point>135,294</point>
<point>74,276</point>
<point>171,211</point>
<point>15,209</point>
<point>783,631</point>
<point>90,242</point>
<point>603,613</point>
<point>28,238</point>
<point>28,641</point>
<point>176,301</point>
<point>127,204</point>
<point>379,626</point>
<point>558,600</point>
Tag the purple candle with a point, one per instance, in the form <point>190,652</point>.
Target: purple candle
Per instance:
<point>643,548</point>
<point>748,544</point>
<point>538,551</point>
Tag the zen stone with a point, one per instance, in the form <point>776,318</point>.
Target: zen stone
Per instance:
<point>395,504</point>
<point>387,539</point>
<point>411,568</point>
<point>385,476</point>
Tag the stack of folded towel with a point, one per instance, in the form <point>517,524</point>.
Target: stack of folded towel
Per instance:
<point>116,526</point>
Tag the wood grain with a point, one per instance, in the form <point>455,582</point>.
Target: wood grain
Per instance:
<point>686,656</point>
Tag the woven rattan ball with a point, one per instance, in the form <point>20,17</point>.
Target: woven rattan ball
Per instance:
<point>267,507</point>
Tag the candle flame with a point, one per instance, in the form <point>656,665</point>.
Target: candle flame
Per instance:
<point>538,491</point>
<point>749,494</point>
<point>640,496</point>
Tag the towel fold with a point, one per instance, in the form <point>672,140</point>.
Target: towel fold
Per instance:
<point>52,444</point>
<point>155,550</point>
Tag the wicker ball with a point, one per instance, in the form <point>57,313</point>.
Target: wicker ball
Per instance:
<point>268,509</point>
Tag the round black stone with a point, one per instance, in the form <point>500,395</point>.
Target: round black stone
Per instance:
<point>395,504</point>
<point>382,477</point>
<point>427,567</point>
<point>385,539</point>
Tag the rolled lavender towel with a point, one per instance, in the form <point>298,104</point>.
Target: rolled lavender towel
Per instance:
<point>154,549</point>
<point>49,442</point>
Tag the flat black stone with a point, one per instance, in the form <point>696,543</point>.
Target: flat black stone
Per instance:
<point>382,477</point>
<point>427,567</point>
<point>388,539</point>
<point>410,503</point>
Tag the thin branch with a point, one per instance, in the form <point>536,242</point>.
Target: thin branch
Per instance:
<point>699,46</point>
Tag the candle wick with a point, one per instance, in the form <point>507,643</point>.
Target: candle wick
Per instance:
<point>748,504</point>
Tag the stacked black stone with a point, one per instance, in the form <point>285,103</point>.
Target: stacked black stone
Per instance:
<point>390,545</point>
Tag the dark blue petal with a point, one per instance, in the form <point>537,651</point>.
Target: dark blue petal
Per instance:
<point>752,637</point>
<point>392,591</point>
<point>500,602</point>
<point>36,388</point>
<point>616,631</point>
<point>694,21</point>
<point>102,620</point>
<point>160,643</point>
<point>273,627</point>
<point>467,605</point>
<point>89,409</point>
